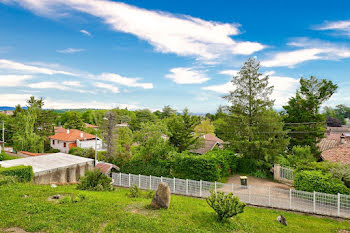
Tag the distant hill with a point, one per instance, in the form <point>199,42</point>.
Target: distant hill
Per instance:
<point>5,108</point>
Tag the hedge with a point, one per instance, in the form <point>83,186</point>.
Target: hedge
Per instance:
<point>154,168</point>
<point>320,182</point>
<point>22,173</point>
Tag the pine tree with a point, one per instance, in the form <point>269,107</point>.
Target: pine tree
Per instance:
<point>253,128</point>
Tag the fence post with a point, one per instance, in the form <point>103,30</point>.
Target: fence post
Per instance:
<point>139,181</point>
<point>200,188</point>
<point>120,179</point>
<point>215,186</point>
<point>150,182</point>
<point>290,198</point>
<point>129,179</point>
<point>338,204</point>
<point>314,202</point>
<point>186,186</point>
<point>174,184</point>
<point>161,178</point>
<point>269,196</point>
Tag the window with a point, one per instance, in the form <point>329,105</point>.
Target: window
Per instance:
<point>64,144</point>
<point>53,142</point>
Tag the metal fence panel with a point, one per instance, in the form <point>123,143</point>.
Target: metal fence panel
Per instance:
<point>318,203</point>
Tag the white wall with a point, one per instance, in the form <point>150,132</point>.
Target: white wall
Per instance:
<point>90,144</point>
<point>60,145</point>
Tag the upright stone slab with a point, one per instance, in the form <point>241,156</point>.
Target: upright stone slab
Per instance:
<point>162,197</point>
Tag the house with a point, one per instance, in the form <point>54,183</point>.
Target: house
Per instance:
<point>339,154</point>
<point>54,168</point>
<point>107,168</point>
<point>8,112</point>
<point>210,142</point>
<point>74,138</point>
<point>91,126</point>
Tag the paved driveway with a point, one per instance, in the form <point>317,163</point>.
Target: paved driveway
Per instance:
<point>254,181</point>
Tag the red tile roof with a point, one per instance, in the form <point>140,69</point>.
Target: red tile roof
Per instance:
<point>106,167</point>
<point>326,144</point>
<point>59,129</point>
<point>339,154</point>
<point>72,136</point>
<point>90,126</point>
<point>211,137</point>
<point>32,154</point>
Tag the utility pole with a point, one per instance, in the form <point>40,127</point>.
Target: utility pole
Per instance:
<point>3,135</point>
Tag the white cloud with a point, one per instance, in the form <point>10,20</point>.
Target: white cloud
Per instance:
<point>183,75</point>
<point>310,50</point>
<point>17,66</point>
<point>284,88</point>
<point>13,80</point>
<point>72,83</point>
<point>229,72</point>
<point>13,99</point>
<point>48,85</point>
<point>70,50</point>
<point>342,26</point>
<point>107,86</point>
<point>125,81</point>
<point>85,32</point>
<point>168,33</point>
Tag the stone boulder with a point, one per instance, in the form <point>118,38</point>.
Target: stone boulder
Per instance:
<point>282,220</point>
<point>162,197</point>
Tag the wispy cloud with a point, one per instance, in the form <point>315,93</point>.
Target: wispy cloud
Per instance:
<point>85,32</point>
<point>342,27</point>
<point>168,33</point>
<point>10,99</point>
<point>70,50</point>
<point>187,75</point>
<point>107,86</point>
<point>309,50</point>
<point>125,81</point>
<point>21,67</point>
<point>13,80</point>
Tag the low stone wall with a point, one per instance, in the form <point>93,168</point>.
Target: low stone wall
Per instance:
<point>63,175</point>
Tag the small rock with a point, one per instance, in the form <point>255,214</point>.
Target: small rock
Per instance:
<point>53,186</point>
<point>282,220</point>
<point>25,196</point>
<point>162,197</point>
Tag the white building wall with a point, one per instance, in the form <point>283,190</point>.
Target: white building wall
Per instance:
<point>90,144</point>
<point>60,145</point>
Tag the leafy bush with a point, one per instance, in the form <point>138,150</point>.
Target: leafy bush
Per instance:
<point>95,180</point>
<point>150,194</point>
<point>300,156</point>
<point>22,173</point>
<point>253,167</point>
<point>320,182</point>
<point>225,205</point>
<point>211,166</point>
<point>342,173</point>
<point>134,191</point>
<point>154,167</point>
<point>7,180</point>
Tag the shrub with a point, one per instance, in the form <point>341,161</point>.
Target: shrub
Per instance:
<point>95,180</point>
<point>150,194</point>
<point>253,166</point>
<point>211,166</point>
<point>65,200</point>
<point>7,180</point>
<point>225,205</point>
<point>22,173</point>
<point>342,173</point>
<point>320,182</point>
<point>134,191</point>
<point>154,167</point>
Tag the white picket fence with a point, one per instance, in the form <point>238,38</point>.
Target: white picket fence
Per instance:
<point>316,203</point>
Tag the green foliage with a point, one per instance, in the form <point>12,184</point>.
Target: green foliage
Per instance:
<point>211,166</point>
<point>225,205</point>
<point>65,200</point>
<point>95,181</point>
<point>304,107</point>
<point>252,127</point>
<point>150,194</point>
<point>22,173</point>
<point>205,127</point>
<point>181,131</point>
<point>134,191</point>
<point>86,153</point>
<point>141,116</point>
<point>153,167</point>
<point>7,180</point>
<point>300,155</point>
<point>342,172</point>
<point>74,121</point>
<point>253,167</point>
<point>4,156</point>
<point>320,182</point>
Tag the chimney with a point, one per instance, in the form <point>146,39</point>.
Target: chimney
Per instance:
<point>67,131</point>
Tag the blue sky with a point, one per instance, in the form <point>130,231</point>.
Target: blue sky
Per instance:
<point>148,54</point>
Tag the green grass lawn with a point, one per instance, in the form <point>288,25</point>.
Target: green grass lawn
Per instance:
<point>8,157</point>
<point>115,212</point>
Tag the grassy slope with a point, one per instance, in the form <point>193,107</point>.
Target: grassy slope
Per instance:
<point>114,212</point>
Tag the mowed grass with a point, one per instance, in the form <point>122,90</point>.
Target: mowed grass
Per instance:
<point>115,212</point>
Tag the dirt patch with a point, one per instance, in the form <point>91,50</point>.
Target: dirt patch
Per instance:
<point>141,209</point>
<point>15,230</point>
<point>56,198</point>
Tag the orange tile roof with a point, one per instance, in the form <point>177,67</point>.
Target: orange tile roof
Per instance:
<point>211,137</point>
<point>59,129</point>
<point>106,167</point>
<point>339,154</point>
<point>72,136</point>
<point>90,126</point>
<point>32,154</point>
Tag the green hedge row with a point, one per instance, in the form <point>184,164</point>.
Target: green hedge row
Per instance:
<point>22,173</point>
<point>211,166</point>
<point>313,180</point>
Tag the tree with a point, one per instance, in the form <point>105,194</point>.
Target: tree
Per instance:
<point>167,112</point>
<point>333,122</point>
<point>205,127</point>
<point>74,121</point>
<point>142,116</point>
<point>182,131</point>
<point>252,127</point>
<point>301,115</point>
<point>108,128</point>
<point>37,102</point>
